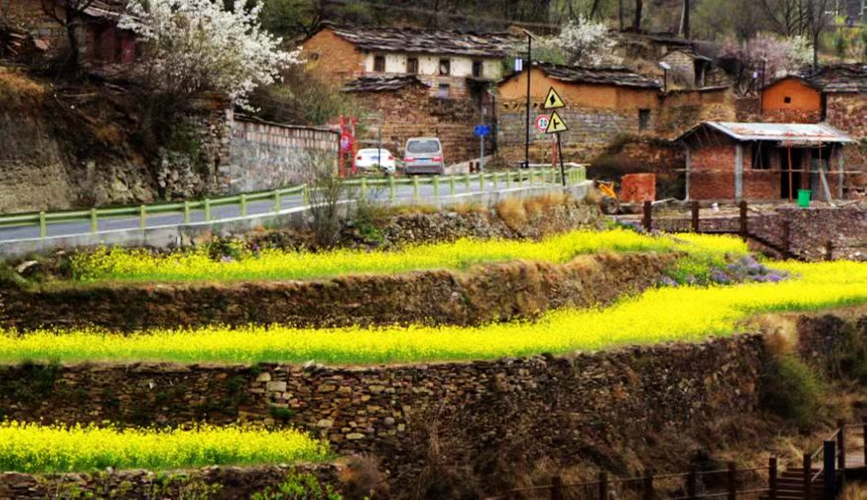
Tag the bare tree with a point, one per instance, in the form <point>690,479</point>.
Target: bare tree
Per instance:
<point>636,22</point>
<point>70,17</point>
<point>786,17</point>
<point>684,20</point>
<point>818,18</point>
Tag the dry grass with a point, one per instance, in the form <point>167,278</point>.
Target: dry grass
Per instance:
<point>512,211</point>
<point>17,90</point>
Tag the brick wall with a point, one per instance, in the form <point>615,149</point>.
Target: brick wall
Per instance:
<point>268,156</point>
<point>331,58</point>
<point>712,171</point>
<point>412,112</point>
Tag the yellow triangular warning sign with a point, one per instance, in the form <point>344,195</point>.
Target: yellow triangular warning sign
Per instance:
<point>556,125</point>
<point>554,101</point>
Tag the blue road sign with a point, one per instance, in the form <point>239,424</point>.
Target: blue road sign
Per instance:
<point>482,130</point>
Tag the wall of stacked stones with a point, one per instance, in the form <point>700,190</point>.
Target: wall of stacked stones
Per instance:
<point>268,156</point>
<point>523,408</point>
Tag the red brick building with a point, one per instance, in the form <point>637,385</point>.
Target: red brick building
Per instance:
<point>764,161</point>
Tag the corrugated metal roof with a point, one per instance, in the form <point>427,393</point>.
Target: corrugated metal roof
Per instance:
<point>782,132</point>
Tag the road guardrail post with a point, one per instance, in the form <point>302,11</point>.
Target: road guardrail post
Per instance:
<point>436,187</point>
<point>467,182</point>
<point>186,212</point>
<point>207,210</point>
<point>482,182</point>
<point>142,216</point>
<point>43,225</point>
<point>243,205</point>
<point>392,190</point>
<point>94,221</point>
<point>415,194</point>
<point>452,185</point>
<point>277,201</point>
<point>363,188</point>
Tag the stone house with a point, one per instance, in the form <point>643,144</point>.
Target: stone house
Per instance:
<point>453,64</point>
<point>688,68</point>
<point>764,161</point>
<point>603,106</point>
<point>403,107</point>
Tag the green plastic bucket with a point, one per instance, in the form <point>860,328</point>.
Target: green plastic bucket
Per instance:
<point>804,198</point>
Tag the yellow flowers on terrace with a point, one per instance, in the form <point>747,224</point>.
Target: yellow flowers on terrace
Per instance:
<point>141,265</point>
<point>658,315</point>
<point>36,448</point>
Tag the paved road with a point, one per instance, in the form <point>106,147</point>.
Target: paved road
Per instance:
<point>404,194</point>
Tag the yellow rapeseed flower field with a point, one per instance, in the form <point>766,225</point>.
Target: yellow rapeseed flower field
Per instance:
<point>658,315</point>
<point>118,264</point>
<point>36,448</point>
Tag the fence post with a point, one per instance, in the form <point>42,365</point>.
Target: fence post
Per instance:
<point>787,245</point>
<point>142,215</point>
<point>451,185</point>
<point>648,484</point>
<point>829,488</point>
<point>603,485</point>
<point>94,221</point>
<point>829,250</point>
<point>436,187</point>
<point>467,182</point>
<point>772,478</point>
<point>207,210</point>
<point>808,475</point>
<point>277,201</point>
<point>841,446</point>
<point>186,212</point>
<point>509,180</point>
<point>695,208</point>
<point>556,488</point>
<point>363,188</point>
<point>243,205</point>
<point>743,218</point>
<point>43,232</point>
<point>415,195</point>
<point>496,181</point>
<point>648,216</point>
<point>691,481</point>
<point>482,186</point>
<point>864,430</point>
<point>733,480</point>
<point>305,196</point>
<point>392,190</point>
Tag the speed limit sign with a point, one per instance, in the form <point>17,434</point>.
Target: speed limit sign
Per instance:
<point>542,122</point>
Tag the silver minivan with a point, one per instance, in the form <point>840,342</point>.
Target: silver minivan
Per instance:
<point>424,155</point>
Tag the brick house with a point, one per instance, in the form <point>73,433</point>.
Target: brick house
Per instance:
<point>603,106</point>
<point>100,42</point>
<point>400,107</point>
<point>764,161</point>
<point>453,64</point>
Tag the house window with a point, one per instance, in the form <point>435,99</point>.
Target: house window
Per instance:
<point>379,64</point>
<point>643,119</point>
<point>445,67</point>
<point>478,69</point>
<point>443,91</point>
<point>412,65</point>
<point>787,100</point>
<point>761,156</point>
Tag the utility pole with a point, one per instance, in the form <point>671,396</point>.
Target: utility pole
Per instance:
<point>529,69</point>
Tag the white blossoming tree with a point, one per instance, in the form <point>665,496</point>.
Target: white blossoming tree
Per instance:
<point>585,42</point>
<point>195,46</point>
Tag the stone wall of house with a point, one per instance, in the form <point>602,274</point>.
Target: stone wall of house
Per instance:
<point>809,229</point>
<point>412,112</point>
<point>847,112</point>
<point>711,173</point>
<point>681,110</point>
<point>498,292</point>
<point>522,409</point>
<point>268,156</point>
<point>212,483</point>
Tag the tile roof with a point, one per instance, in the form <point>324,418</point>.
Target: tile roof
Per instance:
<point>841,78</point>
<point>381,83</point>
<point>428,41</point>
<point>800,133</point>
<point>615,75</point>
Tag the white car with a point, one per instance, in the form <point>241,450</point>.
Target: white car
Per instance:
<point>373,159</point>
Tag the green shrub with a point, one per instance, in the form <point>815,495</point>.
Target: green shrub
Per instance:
<point>791,390</point>
<point>298,487</point>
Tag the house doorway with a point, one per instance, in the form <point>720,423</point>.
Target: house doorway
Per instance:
<point>796,155</point>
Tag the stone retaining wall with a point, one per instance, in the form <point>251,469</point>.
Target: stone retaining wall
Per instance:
<point>489,293</point>
<point>477,414</point>
<point>212,483</point>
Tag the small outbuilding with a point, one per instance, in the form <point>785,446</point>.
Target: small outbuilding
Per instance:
<point>764,161</point>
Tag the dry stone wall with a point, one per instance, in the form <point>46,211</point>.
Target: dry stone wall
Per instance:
<point>495,292</point>
<point>517,410</point>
